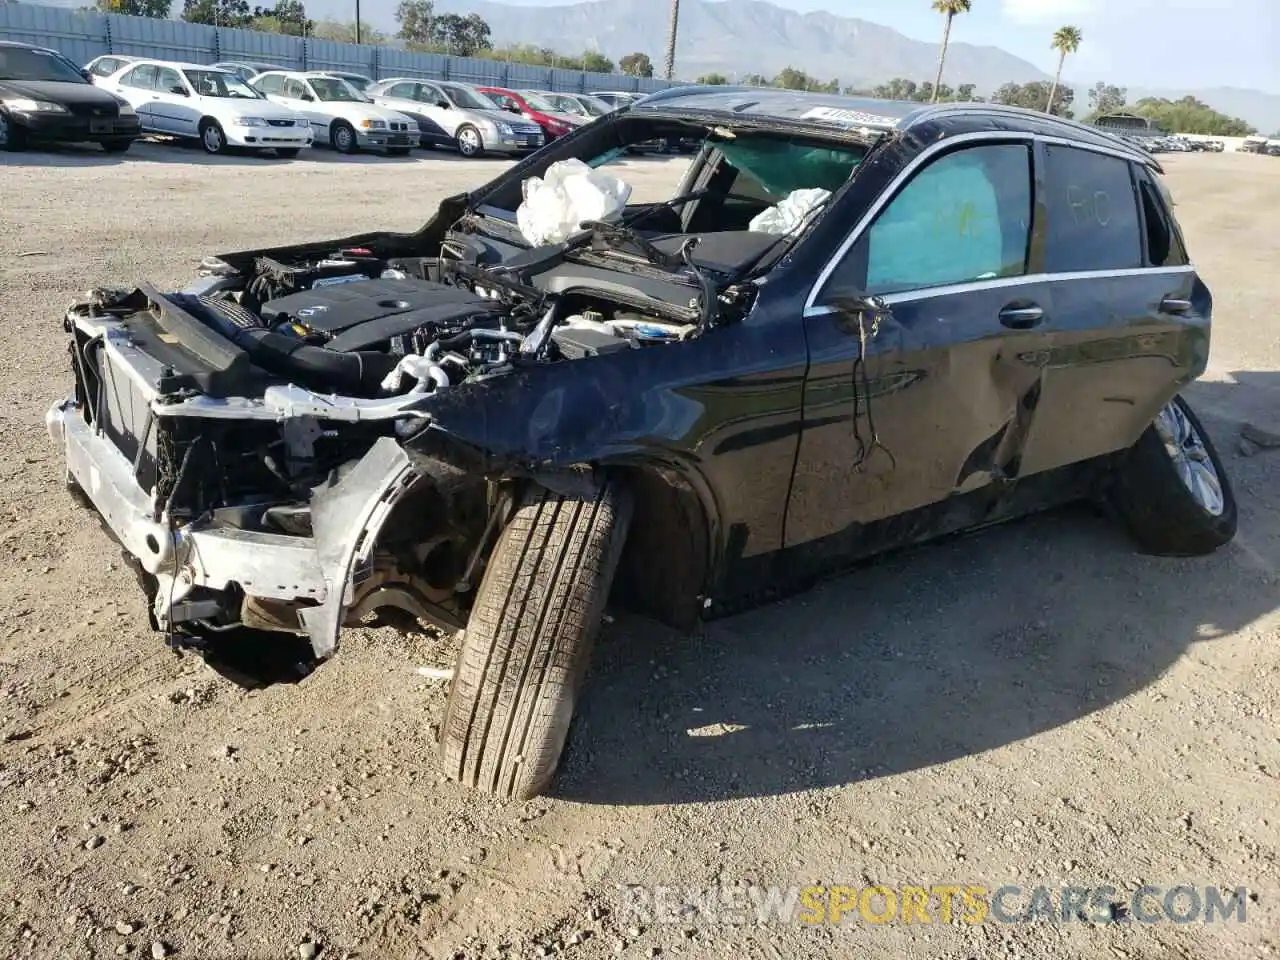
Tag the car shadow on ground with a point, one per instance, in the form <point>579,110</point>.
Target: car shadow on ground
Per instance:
<point>929,655</point>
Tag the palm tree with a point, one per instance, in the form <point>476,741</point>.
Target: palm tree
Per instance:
<point>949,9</point>
<point>1065,40</point>
<point>671,39</point>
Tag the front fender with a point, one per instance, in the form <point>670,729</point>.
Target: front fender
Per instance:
<point>346,519</point>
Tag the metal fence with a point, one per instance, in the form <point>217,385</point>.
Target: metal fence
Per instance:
<point>85,34</point>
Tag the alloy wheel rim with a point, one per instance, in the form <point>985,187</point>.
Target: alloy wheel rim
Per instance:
<point>469,141</point>
<point>343,137</point>
<point>212,139</point>
<point>1190,456</point>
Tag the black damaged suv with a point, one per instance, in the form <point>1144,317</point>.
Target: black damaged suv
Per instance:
<point>854,325</point>
<point>45,97</point>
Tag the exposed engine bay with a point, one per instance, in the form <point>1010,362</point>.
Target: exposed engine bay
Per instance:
<point>272,445</point>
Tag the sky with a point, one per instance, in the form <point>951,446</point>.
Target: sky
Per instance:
<point>1139,43</point>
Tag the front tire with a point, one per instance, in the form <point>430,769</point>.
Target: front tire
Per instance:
<point>527,644</point>
<point>470,144</point>
<point>1171,491</point>
<point>212,138</point>
<point>342,136</point>
<point>12,136</point>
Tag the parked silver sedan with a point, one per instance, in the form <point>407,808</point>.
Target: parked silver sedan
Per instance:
<point>458,115</point>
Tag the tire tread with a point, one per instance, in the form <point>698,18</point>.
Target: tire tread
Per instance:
<point>527,643</point>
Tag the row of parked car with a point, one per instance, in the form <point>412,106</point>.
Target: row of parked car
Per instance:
<point>114,99</point>
<point>1175,144</point>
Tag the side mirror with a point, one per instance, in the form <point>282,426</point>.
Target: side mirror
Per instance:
<point>87,75</point>
<point>308,97</point>
<point>179,90</point>
<point>443,104</point>
<point>512,108</point>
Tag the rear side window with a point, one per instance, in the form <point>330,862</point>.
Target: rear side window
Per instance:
<point>965,217</point>
<point>104,68</point>
<point>1093,212</point>
<point>404,91</point>
<point>270,84</point>
<point>294,89</point>
<point>1164,247</point>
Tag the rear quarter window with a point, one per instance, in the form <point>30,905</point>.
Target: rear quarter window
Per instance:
<point>1093,212</point>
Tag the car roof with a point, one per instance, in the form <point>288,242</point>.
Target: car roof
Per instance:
<point>836,111</point>
<point>175,64</point>
<point>27,46</point>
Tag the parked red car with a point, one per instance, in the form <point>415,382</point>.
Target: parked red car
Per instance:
<point>532,107</point>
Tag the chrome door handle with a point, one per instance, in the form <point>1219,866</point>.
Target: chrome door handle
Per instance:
<point>1173,305</point>
<point>1021,318</point>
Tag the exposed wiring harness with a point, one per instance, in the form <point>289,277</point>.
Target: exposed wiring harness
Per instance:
<point>861,385</point>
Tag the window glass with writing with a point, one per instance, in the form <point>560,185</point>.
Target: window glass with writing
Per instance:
<point>1093,212</point>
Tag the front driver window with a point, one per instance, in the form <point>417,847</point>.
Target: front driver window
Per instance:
<point>965,217</point>
<point>168,81</point>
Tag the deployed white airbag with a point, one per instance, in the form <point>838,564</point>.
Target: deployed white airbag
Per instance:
<point>571,192</point>
<point>790,213</point>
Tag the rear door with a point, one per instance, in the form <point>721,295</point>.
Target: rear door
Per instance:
<point>1128,324</point>
<point>933,398</point>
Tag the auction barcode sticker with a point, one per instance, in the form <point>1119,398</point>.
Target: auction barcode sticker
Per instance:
<point>850,117</point>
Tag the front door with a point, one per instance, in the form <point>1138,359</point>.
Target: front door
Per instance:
<point>443,119</point>
<point>297,96</point>
<point>172,104</point>
<point>138,86</point>
<point>933,397</point>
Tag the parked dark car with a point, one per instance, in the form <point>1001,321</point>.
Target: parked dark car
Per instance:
<point>44,97</point>
<point>985,311</point>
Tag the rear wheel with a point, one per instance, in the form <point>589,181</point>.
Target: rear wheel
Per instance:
<point>527,644</point>
<point>1171,490</point>
<point>211,137</point>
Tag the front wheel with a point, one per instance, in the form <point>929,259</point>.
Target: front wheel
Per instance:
<point>469,143</point>
<point>527,643</point>
<point>343,137</point>
<point>1171,490</point>
<point>212,138</point>
<point>12,136</point>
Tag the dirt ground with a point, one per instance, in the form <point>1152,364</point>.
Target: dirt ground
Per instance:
<point>1034,705</point>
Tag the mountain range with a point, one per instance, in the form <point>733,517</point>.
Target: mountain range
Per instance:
<point>741,37</point>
